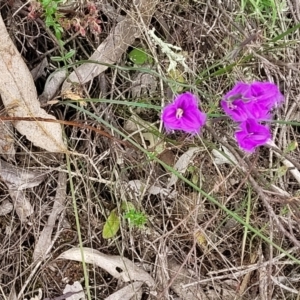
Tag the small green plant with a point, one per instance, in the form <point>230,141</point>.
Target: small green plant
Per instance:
<point>48,9</point>
<point>136,218</point>
<point>58,22</point>
<point>113,221</point>
<point>52,16</point>
<point>139,56</point>
<point>264,10</point>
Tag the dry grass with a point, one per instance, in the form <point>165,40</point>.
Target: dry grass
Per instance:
<point>191,247</point>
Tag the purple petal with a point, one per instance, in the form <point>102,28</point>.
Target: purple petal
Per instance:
<point>267,94</point>
<point>256,111</point>
<point>191,119</point>
<point>235,109</point>
<point>239,91</point>
<point>252,135</point>
<point>168,115</point>
<point>185,101</point>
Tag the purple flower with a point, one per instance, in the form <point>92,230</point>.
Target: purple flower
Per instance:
<point>183,114</point>
<point>253,101</point>
<point>266,93</point>
<point>240,111</point>
<point>251,134</point>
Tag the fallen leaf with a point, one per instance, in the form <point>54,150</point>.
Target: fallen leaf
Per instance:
<point>178,77</point>
<point>19,97</point>
<point>126,293</point>
<point>44,241</point>
<point>182,164</point>
<point>136,188</point>
<point>52,85</point>
<point>21,204</point>
<point>19,178</point>
<point>39,70</point>
<point>75,290</point>
<point>201,239</point>
<point>168,157</point>
<point>74,96</point>
<point>144,132</point>
<point>117,266</point>
<point>112,225</point>
<point>7,149</point>
<point>224,156</point>
<point>142,84</point>
<point>5,208</point>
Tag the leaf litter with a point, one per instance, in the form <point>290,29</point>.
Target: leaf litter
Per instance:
<point>169,251</point>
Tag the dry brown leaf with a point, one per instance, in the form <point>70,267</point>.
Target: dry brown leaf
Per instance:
<point>69,95</point>
<point>182,164</point>
<point>143,84</point>
<point>21,203</point>
<point>75,290</point>
<point>39,70</point>
<point>110,263</point>
<point>19,97</point>
<point>44,241</point>
<point>5,208</point>
<point>127,292</point>
<point>7,149</point>
<point>18,179</point>
<point>136,188</point>
<point>52,85</point>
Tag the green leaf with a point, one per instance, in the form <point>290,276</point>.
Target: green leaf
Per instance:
<point>112,225</point>
<point>70,54</point>
<point>57,58</point>
<point>138,56</point>
<point>45,3</point>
